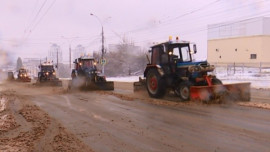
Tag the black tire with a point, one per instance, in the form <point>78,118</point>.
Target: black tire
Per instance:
<point>155,85</point>
<point>183,90</point>
<point>216,81</point>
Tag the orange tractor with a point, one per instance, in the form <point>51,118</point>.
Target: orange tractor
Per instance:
<point>171,67</point>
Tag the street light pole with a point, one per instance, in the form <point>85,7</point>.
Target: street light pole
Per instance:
<point>102,41</point>
<point>69,55</point>
<point>57,57</point>
<point>102,47</point>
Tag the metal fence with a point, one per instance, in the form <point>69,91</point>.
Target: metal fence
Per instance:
<point>242,68</point>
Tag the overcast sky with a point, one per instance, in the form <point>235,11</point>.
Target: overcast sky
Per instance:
<point>27,28</point>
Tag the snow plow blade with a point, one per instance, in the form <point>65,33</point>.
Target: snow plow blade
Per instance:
<point>57,83</point>
<point>139,86</point>
<point>109,85</point>
<point>25,79</point>
<point>92,86</point>
<point>232,92</point>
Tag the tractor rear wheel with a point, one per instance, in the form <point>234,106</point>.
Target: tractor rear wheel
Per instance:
<point>155,85</point>
<point>183,90</point>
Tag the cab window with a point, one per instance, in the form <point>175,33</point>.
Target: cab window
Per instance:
<point>185,54</point>
<point>176,52</point>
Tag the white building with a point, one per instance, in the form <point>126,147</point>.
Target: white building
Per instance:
<point>244,41</point>
<point>55,54</point>
<point>78,52</point>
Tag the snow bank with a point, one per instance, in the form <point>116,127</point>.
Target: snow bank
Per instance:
<point>124,79</point>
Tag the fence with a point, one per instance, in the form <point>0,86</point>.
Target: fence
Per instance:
<point>241,68</point>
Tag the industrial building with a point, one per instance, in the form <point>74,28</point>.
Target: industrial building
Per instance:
<point>244,41</point>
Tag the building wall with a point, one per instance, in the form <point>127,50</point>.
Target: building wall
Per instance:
<point>239,49</point>
<point>251,27</point>
<point>266,49</point>
<point>235,41</point>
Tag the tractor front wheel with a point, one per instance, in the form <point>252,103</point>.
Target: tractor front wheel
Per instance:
<point>183,90</point>
<point>156,86</point>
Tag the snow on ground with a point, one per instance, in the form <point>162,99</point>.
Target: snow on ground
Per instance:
<point>124,79</point>
<point>257,80</point>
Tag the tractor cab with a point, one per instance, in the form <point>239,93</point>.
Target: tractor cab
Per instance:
<point>47,72</point>
<point>175,58</point>
<point>172,52</point>
<point>23,75</point>
<point>85,63</point>
<point>22,72</point>
<point>85,66</point>
<point>47,68</point>
<point>85,75</point>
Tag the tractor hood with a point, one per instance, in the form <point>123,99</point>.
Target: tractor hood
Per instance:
<point>89,69</point>
<point>185,64</point>
<point>200,66</point>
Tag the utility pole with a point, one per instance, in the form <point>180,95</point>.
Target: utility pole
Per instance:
<point>69,40</point>
<point>69,55</point>
<point>57,57</point>
<point>102,40</point>
<point>102,49</point>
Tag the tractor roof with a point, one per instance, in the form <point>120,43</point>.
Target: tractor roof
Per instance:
<point>171,42</point>
<point>47,64</point>
<point>87,58</point>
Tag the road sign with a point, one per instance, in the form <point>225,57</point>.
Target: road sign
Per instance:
<point>103,61</point>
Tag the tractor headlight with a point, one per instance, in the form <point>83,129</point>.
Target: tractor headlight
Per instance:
<point>24,75</point>
<point>192,69</point>
<point>53,73</point>
<point>47,73</point>
<point>21,75</point>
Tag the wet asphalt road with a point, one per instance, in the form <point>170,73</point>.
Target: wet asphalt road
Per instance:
<point>109,123</point>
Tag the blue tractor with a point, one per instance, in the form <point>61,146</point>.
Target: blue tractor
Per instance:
<point>172,67</point>
<point>47,75</point>
<point>86,76</point>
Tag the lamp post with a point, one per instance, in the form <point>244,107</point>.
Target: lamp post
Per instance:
<point>102,40</point>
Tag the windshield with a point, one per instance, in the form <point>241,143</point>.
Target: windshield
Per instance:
<point>181,52</point>
<point>47,67</point>
<point>22,71</point>
<point>86,64</point>
<point>185,54</point>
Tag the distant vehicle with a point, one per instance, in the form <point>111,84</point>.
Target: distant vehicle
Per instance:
<point>10,76</point>
<point>23,75</point>
<point>85,75</point>
<point>47,75</point>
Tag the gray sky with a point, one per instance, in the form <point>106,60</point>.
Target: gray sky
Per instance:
<point>27,28</point>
